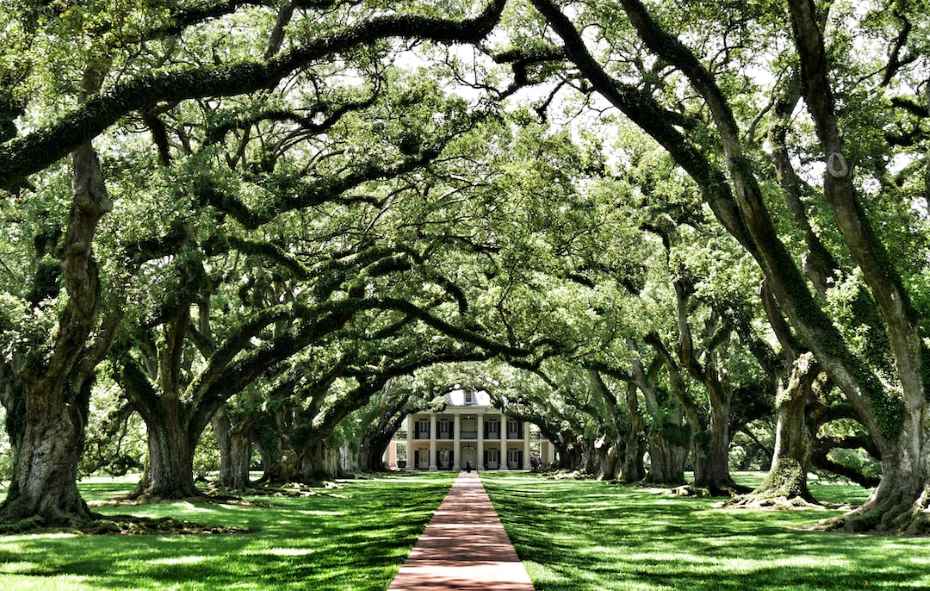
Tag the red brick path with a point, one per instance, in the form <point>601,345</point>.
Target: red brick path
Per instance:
<point>464,547</point>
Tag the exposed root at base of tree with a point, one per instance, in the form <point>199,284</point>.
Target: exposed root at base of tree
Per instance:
<point>689,490</point>
<point>904,518</point>
<point>772,503</point>
<point>567,475</point>
<point>137,498</point>
<point>123,525</point>
<point>295,489</point>
<point>132,525</point>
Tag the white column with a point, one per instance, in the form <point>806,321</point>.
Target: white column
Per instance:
<point>550,452</point>
<point>480,459</point>
<point>410,465</point>
<point>526,445</point>
<point>502,465</point>
<point>457,441</point>
<point>432,441</point>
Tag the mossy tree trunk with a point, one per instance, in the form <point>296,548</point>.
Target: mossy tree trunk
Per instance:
<point>570,457</point>
<point>901,502</point>
<point>667,438</point>
<point>275,462</point>
<point>623,429</point>
<point>43,487</point>
<point>318,461</point>
<point>170,467</point>
<point>710,430</point>
<point>385,425</point>
<point>608,461</point>
<point>667,455</point>
<point>234,441</point>
<point>710,452</point>
<point>786,481</point>
<point>51,395</point>
<point>632,468</point>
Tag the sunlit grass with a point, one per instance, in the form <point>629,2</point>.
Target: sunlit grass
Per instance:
<point>350,538</point>
<point>576,535</point>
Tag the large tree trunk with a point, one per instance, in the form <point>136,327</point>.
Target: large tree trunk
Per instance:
<point>318,462</point>
<point>901,502</point>
<point>631,457</point>
<point>666,459</point>
<point>372,453</point>
<point>371,460</point>
<point>56,385</point>
<point>632,468</point>
<point>276,468</point>
<point>170,466</point>
<point>590,459</point>
<point>786,482</point>
<point>43,489</point>
<point>569,458</point>
<point>710,452</point>
<point>235,447</point>
<point>608,461</point>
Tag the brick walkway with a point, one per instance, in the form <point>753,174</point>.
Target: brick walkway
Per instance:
<point>464,547</point>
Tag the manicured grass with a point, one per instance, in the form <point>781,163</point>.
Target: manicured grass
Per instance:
<point>599,536</point>
<point>349,538</point>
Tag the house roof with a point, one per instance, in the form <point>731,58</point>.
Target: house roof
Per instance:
<point>458,398</point>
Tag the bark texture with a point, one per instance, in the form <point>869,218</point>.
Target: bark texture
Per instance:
<point>46,456</point>
<point>170,467</point>
<point>319,461</point>
<point>667,457</point>
<point>785,485</point>
<point>235,446</point>
<point>54,388</point>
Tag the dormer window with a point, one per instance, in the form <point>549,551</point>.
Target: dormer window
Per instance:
<point>469,397</point>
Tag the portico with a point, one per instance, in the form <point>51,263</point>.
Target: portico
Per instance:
<point>468,432</point>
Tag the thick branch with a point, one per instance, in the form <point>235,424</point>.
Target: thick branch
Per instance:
<point>28,154</point>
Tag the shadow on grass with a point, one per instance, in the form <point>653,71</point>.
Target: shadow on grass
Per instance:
<point>593,535</point>
<point>355,540</point>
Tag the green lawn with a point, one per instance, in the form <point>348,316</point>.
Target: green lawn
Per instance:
<point>349,538</point>
<point>598,536</point>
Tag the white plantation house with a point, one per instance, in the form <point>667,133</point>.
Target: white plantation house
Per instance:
<point>467,432</point>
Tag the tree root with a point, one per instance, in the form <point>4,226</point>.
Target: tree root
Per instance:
<point>133,525</point>
<point>122,525</point>
<point>295,489</point>
<point>895,515</point>
<point>568,475</point>
<point>690,491</point>
<point>728,490</point>
<point>141,498</point>
<point>772,503</point>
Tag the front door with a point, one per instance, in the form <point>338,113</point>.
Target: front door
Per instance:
<point>469,455</point>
